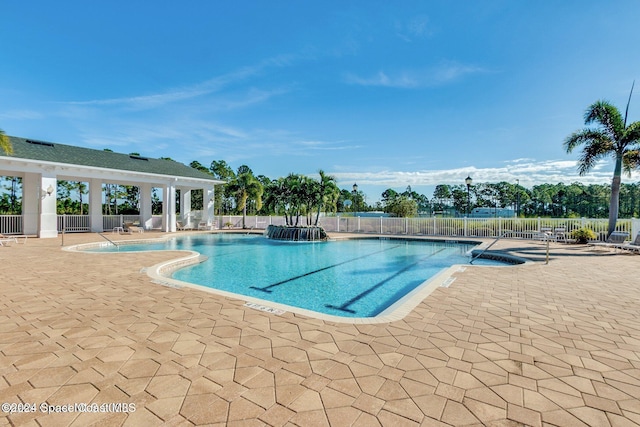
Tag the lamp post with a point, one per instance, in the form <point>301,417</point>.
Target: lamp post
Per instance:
<point>517,198</point>
<point>355,194</point>
<point>468,181</point>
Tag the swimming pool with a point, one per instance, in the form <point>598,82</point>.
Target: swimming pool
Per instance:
<point>355,278</point>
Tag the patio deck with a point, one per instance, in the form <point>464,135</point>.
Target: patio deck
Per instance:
<point>539,345</point>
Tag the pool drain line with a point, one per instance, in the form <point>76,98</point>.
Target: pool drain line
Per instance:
<point>345,306</point>
<point>291,279</point>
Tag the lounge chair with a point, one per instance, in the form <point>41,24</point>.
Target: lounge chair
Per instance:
<point>129,227</point>
<point>545,233</point>
<point>4,241</point>
<point>181,227</point>
<point>616,238</point>
<point>202,225</point>
<point>14,238</point>
<point>560,233</point>
<point>631,246</point>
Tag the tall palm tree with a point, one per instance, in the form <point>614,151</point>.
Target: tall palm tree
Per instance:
<point>246,187</point>
<point>310,196</point>
<point>612,137</point>
<point>5,143</point>
<point>328,193</point>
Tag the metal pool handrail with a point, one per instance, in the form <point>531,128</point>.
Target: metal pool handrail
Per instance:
<point>546,237</point>
<point>109,240</point>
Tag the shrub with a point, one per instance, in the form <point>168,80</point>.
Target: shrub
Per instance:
<point>583,235</point>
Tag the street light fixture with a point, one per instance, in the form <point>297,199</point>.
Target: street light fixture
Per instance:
<point>517,198</point>
<point>468,181</point>
<point>355,194</point>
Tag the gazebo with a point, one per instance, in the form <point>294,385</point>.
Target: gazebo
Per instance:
<point>41,164</point>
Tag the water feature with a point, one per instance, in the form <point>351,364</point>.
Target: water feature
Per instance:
<point>296,234</point>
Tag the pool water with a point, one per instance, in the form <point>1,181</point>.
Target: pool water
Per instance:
<point>349,278</point>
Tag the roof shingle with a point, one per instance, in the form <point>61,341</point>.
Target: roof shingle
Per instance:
<point>69,154</point>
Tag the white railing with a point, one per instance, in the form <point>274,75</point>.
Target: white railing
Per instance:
<point>109,222</point>
<point>437,226</point>
<point>431,226</point>
<point>74,223</point>
<point>11,224</point>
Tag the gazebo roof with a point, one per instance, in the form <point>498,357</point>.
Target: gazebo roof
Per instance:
<point>68,154</point>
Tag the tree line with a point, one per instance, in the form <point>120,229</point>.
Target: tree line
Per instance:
<point>301,199</point>
<point>296,195</point>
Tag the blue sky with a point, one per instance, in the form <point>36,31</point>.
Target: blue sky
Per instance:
<point>382,93</point>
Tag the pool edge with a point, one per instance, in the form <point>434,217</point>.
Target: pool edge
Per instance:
<point>395,312</point>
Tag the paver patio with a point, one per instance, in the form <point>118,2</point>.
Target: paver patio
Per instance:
<point>539,345</point>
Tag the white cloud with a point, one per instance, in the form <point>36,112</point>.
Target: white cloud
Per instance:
<point>449,71</point>
<point>529,172</point>
<point>212,85</point>
<point>401,80</point>
<point>444,73</point>
<point>416,28</point>
<point>21,115</point>
<point>324,145</point>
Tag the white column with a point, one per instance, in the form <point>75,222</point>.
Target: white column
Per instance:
<point>208,198</point>
<point>30,203</point>
<point>146,218</point>
<point>185,206</point>
<point>95,205</point>
<point>169,208</point>
<point>48,218</point>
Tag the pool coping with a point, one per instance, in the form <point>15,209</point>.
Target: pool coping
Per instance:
<point>396,311</point>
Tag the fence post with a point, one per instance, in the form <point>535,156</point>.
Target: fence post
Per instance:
<point>539,223</point>
<point>499,226</point>
<point>358,230</point>
<point>380,225</point>
<point>466,234</point>
<point>338,225</point>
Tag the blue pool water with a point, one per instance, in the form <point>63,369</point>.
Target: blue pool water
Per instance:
<point>350,278</point>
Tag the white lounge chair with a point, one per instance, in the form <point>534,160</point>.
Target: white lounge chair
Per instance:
<point>545,233</point>
<point>631,246</point>
<point>13,238</point>
<point>617,238</point>
<point>202,225</point>
<point>560,233</point>
<point>182,227</point>
<point>129,227</point>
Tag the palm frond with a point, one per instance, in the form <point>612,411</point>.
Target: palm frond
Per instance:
<point>626,111</point>
<point>631,161</point>
<point>592,152</point>
<point>5,143</point>
<point>632,134</point>
<point>606,115</point>
<point>586,136</point>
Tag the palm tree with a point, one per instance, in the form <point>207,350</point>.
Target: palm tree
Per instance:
<point>5,143</point>
<point>328,192</point>
<point>613,138</point>
<point>245,187</point>
<point>310,197</point>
